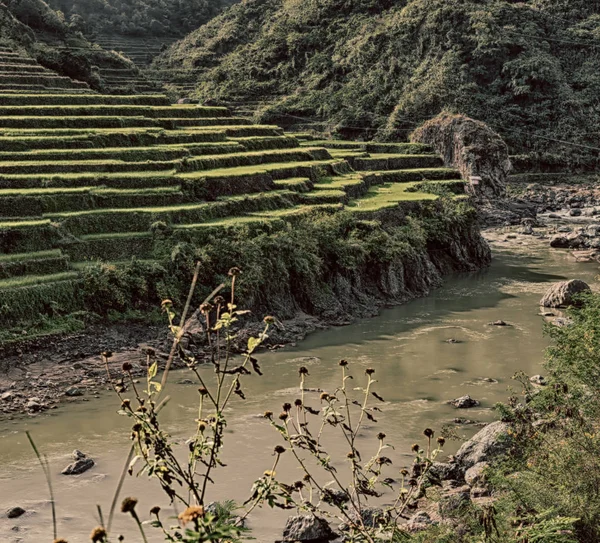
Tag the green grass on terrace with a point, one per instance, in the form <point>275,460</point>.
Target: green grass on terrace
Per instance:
<point>28,280</point>
<point>388,196</point>
<point>44,191</point>
<point>24,224</point>
<point>169,209</point>
<point>259,168</point>
<point>38,255</point>
<point>116,236</point>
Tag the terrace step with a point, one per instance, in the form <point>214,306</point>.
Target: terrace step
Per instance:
<point>37,202</point>
<point>114,110</point>
<point>106,221</point>
<point>256,158</point>
<point>130,180</point>
<point>127,154</point>
<point>64,99</point>
<point>103,140</point>
<point>36,263</point>
<point>404,176</point>
<point>76,122</point>
<point>57,81</point>
<point>85,166</point>
<point>378,162</point>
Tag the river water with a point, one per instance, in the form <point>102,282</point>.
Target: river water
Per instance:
<point>417,371</point>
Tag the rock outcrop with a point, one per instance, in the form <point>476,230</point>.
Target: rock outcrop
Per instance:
<point>486,445</point>
<point>307,528</point>
<point>471,147</point>
<point>564,294</point>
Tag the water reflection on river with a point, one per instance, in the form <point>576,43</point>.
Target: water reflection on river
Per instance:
<point>416,368</point>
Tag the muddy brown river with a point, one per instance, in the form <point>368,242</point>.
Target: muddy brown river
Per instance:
<point>417,370</point>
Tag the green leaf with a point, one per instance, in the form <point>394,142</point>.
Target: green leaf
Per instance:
<point>152,370</point>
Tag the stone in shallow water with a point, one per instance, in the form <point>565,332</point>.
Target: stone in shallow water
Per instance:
<point>15,512</point>
<point>464,402</point>
<point>81,465</point>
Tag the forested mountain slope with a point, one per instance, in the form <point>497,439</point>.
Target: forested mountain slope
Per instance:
<point>380,67</point>
<point>148,18</point>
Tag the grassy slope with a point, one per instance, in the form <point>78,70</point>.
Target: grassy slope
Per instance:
<point>389,65</point>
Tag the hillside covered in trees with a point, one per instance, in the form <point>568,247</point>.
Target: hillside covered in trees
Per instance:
<point>380,67</point>
<point>139,17</point>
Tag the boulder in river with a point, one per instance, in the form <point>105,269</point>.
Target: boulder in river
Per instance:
<point>307,528</point>
<point>81,465</point>
<point>464,402</point>
<point>15,512</point>
<point>563,294</point>
<point>486,445</point>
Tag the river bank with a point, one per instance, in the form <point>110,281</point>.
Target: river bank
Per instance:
<point>41,374</point>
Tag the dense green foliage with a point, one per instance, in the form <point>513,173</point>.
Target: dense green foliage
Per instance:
<point>138,17</point>
<point>370,67</point>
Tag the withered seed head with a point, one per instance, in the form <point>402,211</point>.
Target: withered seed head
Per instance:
<point>219,300</point>
<point>203,391</point>
<point>98,535</point>
<point>287,406</point>
<point>269,319</point>
<point>428,432</point>
<point>127,366</point>
<point>380,436</point>
<point>191,514</point>
<point>441,440</point>
<point>415,448</point>
<point>298,402</point>
<point>155,510</point>
<point>324,396</point>
<point>343,363</point>
<point>302,370</point>
<point>369,371</point>
<point>268,415</point>
<point>206,307</point>
<point>128,505</point>
<point>283,416</point>
<point>279,449</point>
<point>234,272</point>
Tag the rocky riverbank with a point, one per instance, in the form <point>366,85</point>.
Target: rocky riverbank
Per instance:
<point>41,374</point>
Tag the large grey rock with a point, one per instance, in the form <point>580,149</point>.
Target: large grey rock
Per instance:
<point>453,505</point>
<point>445,471</point>
<point>307,528</point>
<point>486,445</point>
<point>475,474</point>
<point>418,522</point>
<point>562,294</point>
<point>81,465</point>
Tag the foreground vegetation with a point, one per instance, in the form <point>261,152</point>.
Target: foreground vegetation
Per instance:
<point>364,68</point>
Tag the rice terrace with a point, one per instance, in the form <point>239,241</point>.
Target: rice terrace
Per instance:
<point>299,271</point>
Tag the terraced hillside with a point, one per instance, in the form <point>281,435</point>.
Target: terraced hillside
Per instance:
<point>20,73</point>
<point>87,177</point>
